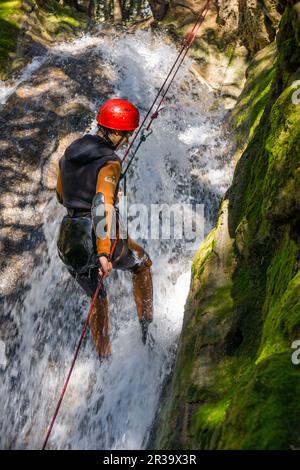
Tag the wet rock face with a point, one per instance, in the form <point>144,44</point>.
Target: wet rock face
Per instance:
<point>255,22</point>
<point>235,385</point>
<point>42,117</point>
<point>29,27</point>
<point>159,8</point>
<point>232,33</point>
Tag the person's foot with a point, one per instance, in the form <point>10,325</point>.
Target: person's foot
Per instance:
<point>144,327</point>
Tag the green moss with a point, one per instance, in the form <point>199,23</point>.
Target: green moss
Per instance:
<point>265,410</point>
<point>280,272</point>
<point>221,302</point>
<point>202,255</point>
<point>10,18</point>
<point>208,416</point>
<point>283,148</point>
<point>282,304</point>
<point>56,18</point>
<point>255,96</point>
<point>236,387</point>
<point>70,20</point>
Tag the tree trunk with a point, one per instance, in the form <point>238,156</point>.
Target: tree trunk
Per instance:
<point>131,8</point>
<point>74,3</point>
<point>71,3</point>
<point>91,9</point>
<point>124,9</point>
<point>139,8</point>
<point>117,11</point>
<point>159,8</point>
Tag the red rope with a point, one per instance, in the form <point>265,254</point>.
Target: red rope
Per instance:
<point>187,43</point>
<point>76,353</point>
<point>191,37</point>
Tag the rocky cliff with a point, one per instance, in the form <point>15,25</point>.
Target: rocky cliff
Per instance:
<point>234,385</point>
<point>254,21</point>
<point>232,33</point>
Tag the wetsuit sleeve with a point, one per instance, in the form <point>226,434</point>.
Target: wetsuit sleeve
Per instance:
<point>59,193</point>
<point>107,181</point>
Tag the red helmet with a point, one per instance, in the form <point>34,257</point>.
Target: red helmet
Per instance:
<point>118,114</point>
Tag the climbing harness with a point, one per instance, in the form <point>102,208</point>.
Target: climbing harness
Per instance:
<point>100,284</point>
<point>118,114</point>
<point>142,139</point>
<point>164,90</point>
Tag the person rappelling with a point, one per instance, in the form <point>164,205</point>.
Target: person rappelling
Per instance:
<point>88,181</point>
<point>87,185</point>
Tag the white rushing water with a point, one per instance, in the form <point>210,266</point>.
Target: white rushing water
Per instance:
<point>112,406</point>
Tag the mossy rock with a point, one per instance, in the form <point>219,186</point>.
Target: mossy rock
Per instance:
<point>45,25</point>
<point>10,20</point>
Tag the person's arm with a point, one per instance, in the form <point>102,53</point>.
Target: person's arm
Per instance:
<point>107,181</point>
<point>59,193</point>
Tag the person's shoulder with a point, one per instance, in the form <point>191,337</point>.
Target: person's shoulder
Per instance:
<point>86,138</point>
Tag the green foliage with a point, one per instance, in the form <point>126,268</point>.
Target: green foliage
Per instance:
<point>10,18</point>
<point>256,94</point>
<point>209,416</point>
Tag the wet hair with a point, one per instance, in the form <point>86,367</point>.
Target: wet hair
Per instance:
<point>105,131</point>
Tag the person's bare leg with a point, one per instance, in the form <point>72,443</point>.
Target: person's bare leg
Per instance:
<point>143,291</point>
<point>99,324</point>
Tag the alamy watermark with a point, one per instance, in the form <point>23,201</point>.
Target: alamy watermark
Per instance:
<point>3,359</point>
<point>296,353</point>
<point>178,221</point>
